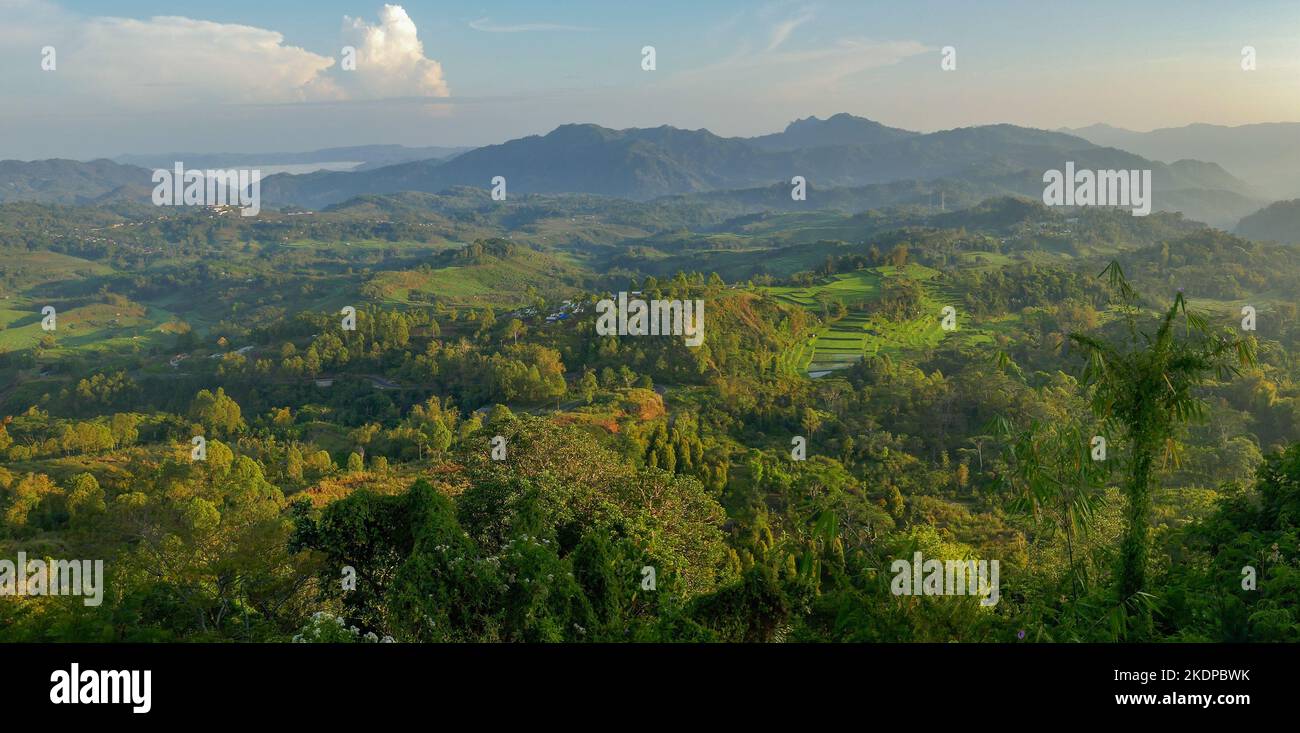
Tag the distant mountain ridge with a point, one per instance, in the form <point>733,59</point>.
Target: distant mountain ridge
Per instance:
<point>840,152</point>
<point>839,129</point>
<point>62,181</point>
<point>645,163</point>
<point>1266,154</point>
<point>1277,222</point>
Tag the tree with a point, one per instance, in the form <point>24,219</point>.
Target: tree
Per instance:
<point>439,437</point>
<point>320,463</point>
<point>1146,384</point>
<point>28,494</point>
<point>809,420</point>
<point>215,549</point>
<point>124,430</point>
<point>587,386</point>
<point>217,412</point>
<point>86,496</point>
<point>355,464</point>
<point>1051,475</point>
<point>898,256</point>
<point>294,463</point>
<point>515,329</point>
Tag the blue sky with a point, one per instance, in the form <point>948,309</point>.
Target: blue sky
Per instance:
<point>443,73</point>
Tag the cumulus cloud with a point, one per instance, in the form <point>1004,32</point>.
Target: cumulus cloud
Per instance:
<point>174,60</point>
<point>120,65</point>
<point>390,59</point>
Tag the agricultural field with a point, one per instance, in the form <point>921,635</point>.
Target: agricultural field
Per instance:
<point>857,335</point>
<point>498,282</point>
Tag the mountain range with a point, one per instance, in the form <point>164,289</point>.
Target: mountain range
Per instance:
<point>1277,222</point>
<point>843,151</point>
<point>855,162</point>
<point>1266,154</point>
<point>61,181</point>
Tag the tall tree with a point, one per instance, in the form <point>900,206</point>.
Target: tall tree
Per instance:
<point>1145,382</point>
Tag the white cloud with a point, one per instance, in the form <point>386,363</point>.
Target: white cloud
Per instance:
<point>28,22</point>
<point>170,60</point>
<point>390,59</point>
<point>781,31</point>
<point>766,62</point>
<point>848,57</point>
<point>487,26</point>
<point>123,65</point>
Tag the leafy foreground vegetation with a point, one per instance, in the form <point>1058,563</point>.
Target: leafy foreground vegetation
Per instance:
<point>349,491</point>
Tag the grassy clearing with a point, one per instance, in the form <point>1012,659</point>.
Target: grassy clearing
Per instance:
<point>500,282</point>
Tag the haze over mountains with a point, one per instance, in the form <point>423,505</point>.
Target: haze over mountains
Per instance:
<point>1277,222</point>
<point>840,129</point>
<point>61,181</point>
<point>843,151</point>
<point>356,157</point>
<point>1267,154</point>
<point>850,163</point>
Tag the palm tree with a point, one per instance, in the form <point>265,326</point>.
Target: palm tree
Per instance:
<point>1145,383</point>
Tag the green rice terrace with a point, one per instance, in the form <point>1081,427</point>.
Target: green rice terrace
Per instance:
<point>860,333</point>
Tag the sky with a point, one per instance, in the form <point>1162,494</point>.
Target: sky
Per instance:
<point>146,76</point>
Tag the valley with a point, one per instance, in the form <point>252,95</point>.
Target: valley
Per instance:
<point>926,356</point>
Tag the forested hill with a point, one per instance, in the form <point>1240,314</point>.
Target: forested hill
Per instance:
<point>645,163</point>
<point>1278,222</point>
<point>850,163</point>
<point>495,469</point>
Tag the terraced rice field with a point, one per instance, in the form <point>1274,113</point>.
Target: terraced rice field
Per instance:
<point>848,340</point>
